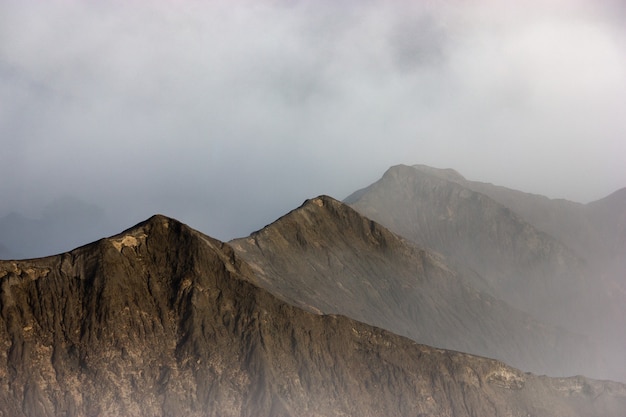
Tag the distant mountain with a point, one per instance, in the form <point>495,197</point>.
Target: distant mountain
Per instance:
<point>592,230</point>
<point>608,216</point>
<point>5,253</point>
<point>595,231</point>
<point>547,257</point>
<point>162,320</point>
<point>64,224</point>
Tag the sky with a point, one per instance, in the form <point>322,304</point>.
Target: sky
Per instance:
<point>228,114</point>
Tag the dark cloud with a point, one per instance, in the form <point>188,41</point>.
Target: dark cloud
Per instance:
<point>227,115</point>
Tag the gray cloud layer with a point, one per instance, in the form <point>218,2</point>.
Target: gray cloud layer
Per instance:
<point>227,114</point>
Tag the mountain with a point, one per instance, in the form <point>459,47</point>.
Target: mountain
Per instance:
<point>608,215</point>
<point>537,254</point>
<point>327,258</point>
<point>163,320</point>
<point>5,253</point>
<point>595,231</point>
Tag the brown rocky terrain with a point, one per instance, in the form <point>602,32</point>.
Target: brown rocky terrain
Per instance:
<point>558,260</point>
<point>327,258</point>
<point>164,321</point>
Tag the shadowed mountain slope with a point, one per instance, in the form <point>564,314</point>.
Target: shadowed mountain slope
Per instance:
<point>162,320</point>
<point>537,254</point>
<point>325,257</point>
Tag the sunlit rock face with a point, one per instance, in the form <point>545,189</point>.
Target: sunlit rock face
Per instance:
<point>560,261</point>
<point>162,320</point>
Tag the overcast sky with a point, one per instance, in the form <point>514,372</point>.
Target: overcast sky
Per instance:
<point>227,114</point>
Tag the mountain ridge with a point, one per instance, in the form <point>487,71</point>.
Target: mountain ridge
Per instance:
<point>163,320</point>
<point>326,257</point>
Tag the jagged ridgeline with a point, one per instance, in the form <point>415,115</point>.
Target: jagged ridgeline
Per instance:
<point>162,320</point>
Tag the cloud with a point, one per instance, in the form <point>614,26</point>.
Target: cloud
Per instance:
<point>226,115</point>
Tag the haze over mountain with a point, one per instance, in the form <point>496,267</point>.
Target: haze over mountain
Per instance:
<point>63,224</point>
<point>229,114</point>
<point>325,257</point>
<point>557,260</point>
<point>163,320</point>
<point>595,231</point>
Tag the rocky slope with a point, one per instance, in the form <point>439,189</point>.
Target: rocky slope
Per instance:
<point>326,257</point>
<point>162,320</point>
<point>537,254</point>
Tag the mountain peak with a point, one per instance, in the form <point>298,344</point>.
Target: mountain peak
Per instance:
<point>444,173</point>
<point>156,220</point>
<point>322,200</point>
<point>401,170</point>
<point>322,217</point>
<point>136,235</point>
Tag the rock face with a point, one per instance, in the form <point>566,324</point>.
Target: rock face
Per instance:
<point>551,258</point>
<point>162,320</point>
<point>327,258</point>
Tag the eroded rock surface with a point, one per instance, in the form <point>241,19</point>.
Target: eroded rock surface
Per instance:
<point>164,321</point>
<point>326,257</point>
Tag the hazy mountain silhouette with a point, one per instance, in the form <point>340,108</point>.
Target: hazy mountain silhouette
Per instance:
<point>608,216</point>
<point>595,231</point>
<point>64,224</point>
<point>550,258</point>
<point>5,253</point>
<point>163,320</point>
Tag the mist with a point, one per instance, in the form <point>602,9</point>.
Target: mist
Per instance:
<point>226,116</point>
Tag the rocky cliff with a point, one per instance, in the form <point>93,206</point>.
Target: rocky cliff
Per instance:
<point>162,320</point>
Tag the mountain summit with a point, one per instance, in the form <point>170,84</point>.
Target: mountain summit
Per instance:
<point>163,320</point>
